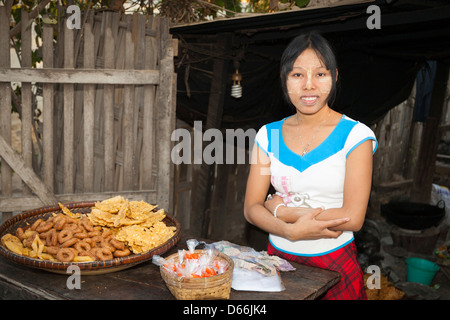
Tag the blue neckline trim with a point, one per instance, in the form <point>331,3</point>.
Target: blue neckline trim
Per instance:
<point>331,145</point>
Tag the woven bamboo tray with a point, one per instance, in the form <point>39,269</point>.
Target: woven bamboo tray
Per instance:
<point>209,288</point>
<point>27,218</point>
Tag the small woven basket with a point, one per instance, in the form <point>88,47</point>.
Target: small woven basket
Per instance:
<point>208,288</point>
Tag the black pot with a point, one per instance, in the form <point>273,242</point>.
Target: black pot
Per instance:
<point>413,215</point>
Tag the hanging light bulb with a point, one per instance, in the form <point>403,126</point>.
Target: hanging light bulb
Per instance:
<point>236,88</point>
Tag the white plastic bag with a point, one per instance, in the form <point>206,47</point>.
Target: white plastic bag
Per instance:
<point>441,193</point>
<point>254,271</point>
<point>250,280</point>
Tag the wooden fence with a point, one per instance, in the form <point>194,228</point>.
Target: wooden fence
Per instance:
<point>108,112</point>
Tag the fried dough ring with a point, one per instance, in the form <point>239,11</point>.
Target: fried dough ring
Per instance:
<point>122,253</point>
<point>53,250</point>
<point>83,246</point>
<point>60,221</point>
<point>44,226</point>
<point>106,233</point>
<point>51,237</point>
<point>70,226</point>
<point>75,251</point>
<point>81,235</point>
<point>65,255</point>
<point>109,246</point>
<point>103,253</point>
<point>94,234</point>
<point>70,242</point>
<point>87,224</point>
<point>65,235</point>
<point>117,244</point>
<point>98,242</point>
<point>19,233</point>
<point>36,224</point>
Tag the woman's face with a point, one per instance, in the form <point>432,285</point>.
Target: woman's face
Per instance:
<point>309,83</point>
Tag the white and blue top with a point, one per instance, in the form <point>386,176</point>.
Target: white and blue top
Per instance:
<point>313,180</point>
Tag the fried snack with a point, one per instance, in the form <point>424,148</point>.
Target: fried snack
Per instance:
<point>142,239</point>
<point>65,255</point>
<point>111,205</point>
<point>69,213</point>
<point>37,245</point>
<point>83,259</point>
<point>133,222</point>
<point>13,243</point>
<point>115,227</point>
<point>117,212</point>
<point>140,210</point>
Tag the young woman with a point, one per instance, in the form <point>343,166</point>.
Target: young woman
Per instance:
<point>320,164</point>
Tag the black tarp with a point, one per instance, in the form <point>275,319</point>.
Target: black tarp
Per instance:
<point>377,67</point>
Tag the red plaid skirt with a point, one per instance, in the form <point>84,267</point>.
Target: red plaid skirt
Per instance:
<point>343,260</point>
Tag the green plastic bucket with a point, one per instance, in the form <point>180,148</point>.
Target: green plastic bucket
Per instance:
<point>421,270</point>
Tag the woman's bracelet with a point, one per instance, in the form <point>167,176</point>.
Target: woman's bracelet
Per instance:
<point>276,208</point>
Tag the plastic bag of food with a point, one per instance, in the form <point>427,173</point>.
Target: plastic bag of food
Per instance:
<point>192,264</point>
<point>254,271</point>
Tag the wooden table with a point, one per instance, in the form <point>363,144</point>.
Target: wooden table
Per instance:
<point>144,282</point>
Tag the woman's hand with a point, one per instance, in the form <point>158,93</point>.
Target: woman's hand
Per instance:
<point>302,222</point>
<point>308,228</point>
<point>287,214</point>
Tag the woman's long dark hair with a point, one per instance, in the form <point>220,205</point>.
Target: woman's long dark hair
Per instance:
<point>323,50</point>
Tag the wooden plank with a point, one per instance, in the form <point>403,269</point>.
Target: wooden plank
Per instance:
<point>165,127</point>
<point>119,63</point>
<point>68,117</point>
<point>98,29</point>
<point>47,97</point>
<point>26,112</point>
<point>164,38</point>
<point>138,32</point>
<point>151,49</point>
<point>108,116</point>
<point>5,106</point>
<point>99,63</point>
<point>171,188</point>
<point>127,121</point>
<point>78,136</point>
<point>26,173</point>
<point>88,114</point>
<point>138,37</point>
<point>81,76</point>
